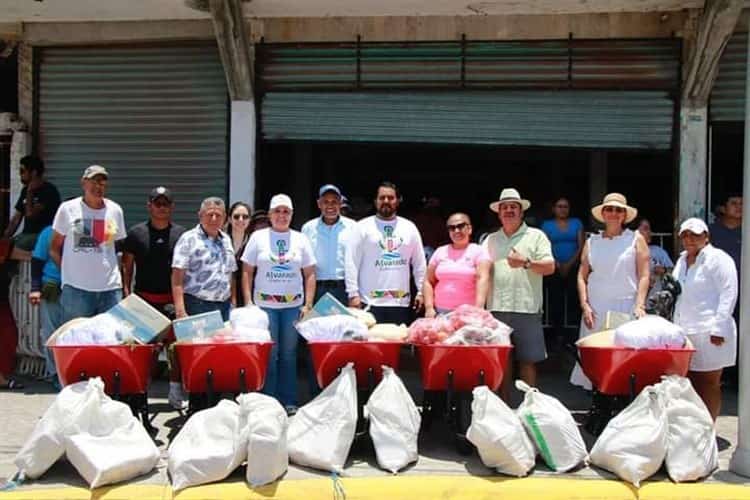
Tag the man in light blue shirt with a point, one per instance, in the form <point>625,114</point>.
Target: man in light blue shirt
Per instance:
<point>328,235</point>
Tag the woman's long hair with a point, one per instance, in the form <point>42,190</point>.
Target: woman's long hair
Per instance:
<point>248,229</point>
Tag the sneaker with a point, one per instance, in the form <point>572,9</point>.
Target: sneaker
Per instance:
<point>177,398</point>
<point>291,410</point>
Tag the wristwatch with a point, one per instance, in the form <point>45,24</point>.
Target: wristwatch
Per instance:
<point>527,264</point>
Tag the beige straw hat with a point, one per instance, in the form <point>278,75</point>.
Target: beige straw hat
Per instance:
<point>615,200</point>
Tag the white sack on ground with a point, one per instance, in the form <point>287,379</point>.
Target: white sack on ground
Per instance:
<point>79,407</point>
<point>498,434</point>
<point>266,425</point>
<point>634,443</point>
<point>551,428</point>
<point>394,423</point>
<point>209,446</point>
<point>692,452</point>
<point>120,455</point>
<point>321,433</point>
<point>332,328</point>
<point>649,332</point>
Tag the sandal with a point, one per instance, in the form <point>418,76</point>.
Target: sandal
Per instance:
<point>11,385</point>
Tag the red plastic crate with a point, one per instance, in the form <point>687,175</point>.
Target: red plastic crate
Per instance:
<point>466,361</point>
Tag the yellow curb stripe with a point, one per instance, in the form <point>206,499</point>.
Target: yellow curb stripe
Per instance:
<point>407,488</point>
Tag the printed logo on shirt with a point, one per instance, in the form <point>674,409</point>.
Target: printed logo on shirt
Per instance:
<point>281,299</point>
<point>89,235</point>
<point>281,270</point>
<point>390,244</point>
<point>396,294</point>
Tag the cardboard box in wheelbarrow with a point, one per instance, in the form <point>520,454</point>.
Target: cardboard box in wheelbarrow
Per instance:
<point>127,364</point>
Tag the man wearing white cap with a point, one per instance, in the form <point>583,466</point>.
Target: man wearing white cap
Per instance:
<point>328,235</point>
<point>383,252</point>
<point>521,257</point>
<point>704,309</point>
<point>88,227</point>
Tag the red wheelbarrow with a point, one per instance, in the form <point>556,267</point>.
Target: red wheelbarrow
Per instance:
<point>209,369</point>
<point>618,374</point>
<point>450,373</point>
<point>125,370</point>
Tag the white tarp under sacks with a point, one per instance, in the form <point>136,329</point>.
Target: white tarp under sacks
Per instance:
<point>321,433</point>
<point>79,407</point>
<point>552,429</point>
<point>498,434</point>
<point>634,443</point>
<point>394,423</point>
<point>692,452</point>
<point>209,447</point>
<point>266,427</point>
<point>122,454</point>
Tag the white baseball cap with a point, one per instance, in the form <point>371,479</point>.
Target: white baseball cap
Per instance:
<point>280,200</point>
<point>694,225</point>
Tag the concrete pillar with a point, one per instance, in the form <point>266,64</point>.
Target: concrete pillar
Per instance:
<point>691,200</point>
<point>242,153</point>
<point>740,462</point>
<point>598,173</point>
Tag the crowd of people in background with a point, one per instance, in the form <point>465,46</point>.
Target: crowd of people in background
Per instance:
<point>85,261</point>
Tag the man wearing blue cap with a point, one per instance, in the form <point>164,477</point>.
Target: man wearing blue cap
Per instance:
<point>328,236</point>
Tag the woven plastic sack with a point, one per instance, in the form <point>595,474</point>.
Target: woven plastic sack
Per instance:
<point>266,425</point>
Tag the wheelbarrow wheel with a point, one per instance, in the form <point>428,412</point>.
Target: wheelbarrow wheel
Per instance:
<point>463,446</point>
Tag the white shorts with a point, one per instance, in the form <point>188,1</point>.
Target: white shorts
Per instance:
<point>709,357</point>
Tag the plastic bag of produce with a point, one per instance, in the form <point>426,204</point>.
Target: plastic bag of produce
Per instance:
<point>388,332</point>
<point>498,434</point>
<point>650,332</point>
<point>333,328</point>
<point>209,446</point>
<point>321,433</point>
<point>429,330</point>
<point>394,423</point>
<point>266,428</point>
<point>692,452</point>
<point>634,443</point>
<point>552,429</point>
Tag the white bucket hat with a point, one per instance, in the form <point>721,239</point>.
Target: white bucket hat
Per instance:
<point>615,200</point>
<point>510,195</point>
<point>694,225</point>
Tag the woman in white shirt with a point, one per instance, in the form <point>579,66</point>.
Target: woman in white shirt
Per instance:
<point>283,265</point>
<point>704,309</point>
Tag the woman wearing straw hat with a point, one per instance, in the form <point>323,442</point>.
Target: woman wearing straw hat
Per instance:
<point>614,272</point>
<point>704,309</point>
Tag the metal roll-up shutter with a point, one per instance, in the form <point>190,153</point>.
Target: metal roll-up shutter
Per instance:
<point>728,95</point>
<point>150,115</point>
<point>587,119</point>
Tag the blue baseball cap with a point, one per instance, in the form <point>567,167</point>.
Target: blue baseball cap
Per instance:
<point>329,188</point>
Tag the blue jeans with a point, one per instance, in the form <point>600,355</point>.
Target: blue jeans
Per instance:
<point>50,318</point>
<point>77,303</point>
<point>281,377</point>
<point>194,305</point>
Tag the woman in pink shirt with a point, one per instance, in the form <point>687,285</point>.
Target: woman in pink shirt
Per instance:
<point>458,273</point>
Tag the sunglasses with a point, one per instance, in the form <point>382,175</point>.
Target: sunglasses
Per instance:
<point>240,216</point>
<point>457,227</point>
<point>619,210</point>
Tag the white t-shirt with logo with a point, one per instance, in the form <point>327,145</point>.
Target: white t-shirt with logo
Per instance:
<point>379,259</point>
<point>279,259</point>
<point>89,260</point>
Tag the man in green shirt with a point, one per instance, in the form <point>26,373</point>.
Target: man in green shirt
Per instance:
<point>521,257</point>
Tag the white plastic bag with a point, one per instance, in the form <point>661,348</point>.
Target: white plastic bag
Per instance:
<point>692,452</point>
<point>634,443</point>
<point>79,407</point>
<point>266,428</point>
<point>394,423</point>
<point>122,454</point>
<point>649,332</point>
<point>321,433</point>
<point>551,428</point>
<point>209,447</point>
<point>332,328</point>
<point>250,316</point>
<point>498,434</point>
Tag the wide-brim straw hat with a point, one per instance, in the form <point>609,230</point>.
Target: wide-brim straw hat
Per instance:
<point>510,195</point>
<point>615,200</point>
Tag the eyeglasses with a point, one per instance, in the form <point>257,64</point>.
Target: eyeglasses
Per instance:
<point>619,210</point>
<point>457,227</point>
<point>160,203</point>
<point>240,216</point>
